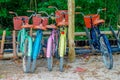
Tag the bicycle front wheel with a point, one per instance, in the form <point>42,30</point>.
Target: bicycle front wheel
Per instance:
<point>50,63</point>
<point>106,51</point>
<point>49,53</point>
<point>19,42</point>
<point>62,49</point>
<point>27,55</point>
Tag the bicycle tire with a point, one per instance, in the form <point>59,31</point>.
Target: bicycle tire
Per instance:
<point>33,66</point>
<point>61,64</point>
<point>106,51</point>
<point>50,53</point>
<point>50,63</point>
<point>27,55</point>
<point>62,50</point>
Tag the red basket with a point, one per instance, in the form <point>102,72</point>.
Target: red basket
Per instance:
<point>87,19</point>
<point>60,16</point>
<point>45,21</point>
<point>38,20</point>
<point>17,21</point>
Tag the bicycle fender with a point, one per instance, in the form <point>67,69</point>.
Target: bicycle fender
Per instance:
<point>29,45</point>
<point>61,45</point>
<point>49,45</point>
<point>37,44</point>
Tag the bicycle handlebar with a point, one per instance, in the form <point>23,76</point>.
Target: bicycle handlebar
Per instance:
<point>98,11</point>
<point>30,11</point>
<point>53,7</point>
<point>44,13</point>
<point>33,13</point>
<point>11,12</point>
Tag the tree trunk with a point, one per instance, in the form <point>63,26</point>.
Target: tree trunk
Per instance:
<point>71,9</point>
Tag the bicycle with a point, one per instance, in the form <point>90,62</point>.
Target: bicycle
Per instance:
<point>41,25</point>
<point>24,40</point>
<point>97,41</point>
<point>52,45</point>
<point>62,23</point>
<point>116,35</point>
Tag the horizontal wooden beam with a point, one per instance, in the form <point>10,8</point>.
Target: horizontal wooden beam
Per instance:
<point>9,55</point>
<point>82,33</point>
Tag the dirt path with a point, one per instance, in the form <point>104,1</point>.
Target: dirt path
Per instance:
<point>92,69</point>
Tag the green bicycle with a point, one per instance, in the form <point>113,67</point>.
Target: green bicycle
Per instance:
<point>24,45</point>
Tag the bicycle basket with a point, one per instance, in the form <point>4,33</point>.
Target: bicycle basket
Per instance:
<point>17,22</point>
<point>60,16</point>
<point>44,21</point>
<point>36,20</point>
<point>87,19</point>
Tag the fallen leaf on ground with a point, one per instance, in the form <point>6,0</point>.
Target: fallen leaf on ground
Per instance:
<point>78,69</point>
<point>18,61</point>
<point>67,66</point>
<point>56,62</point>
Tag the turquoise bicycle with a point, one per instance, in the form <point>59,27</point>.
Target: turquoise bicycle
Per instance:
<point>24,45</point>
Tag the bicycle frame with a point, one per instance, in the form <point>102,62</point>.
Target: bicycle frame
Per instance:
<point>116,35</point>
<point>95,35</point>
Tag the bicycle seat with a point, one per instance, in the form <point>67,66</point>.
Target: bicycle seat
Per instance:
<point>52,26</point>
<point>40,27</point>
<point>99,21</point>
<point>62,23</point>
<point>27,26</point>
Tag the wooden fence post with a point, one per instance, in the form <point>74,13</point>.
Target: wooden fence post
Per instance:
<point>71,28</point>
<point>2,44</point>
<point>14,45</point>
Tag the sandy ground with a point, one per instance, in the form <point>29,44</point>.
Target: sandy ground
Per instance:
<point>92,69</point>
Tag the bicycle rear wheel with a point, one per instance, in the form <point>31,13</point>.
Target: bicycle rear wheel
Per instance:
<point>27,55</point>
<point>106,51</point>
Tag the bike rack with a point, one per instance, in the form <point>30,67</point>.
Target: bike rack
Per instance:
<point>3,51</point>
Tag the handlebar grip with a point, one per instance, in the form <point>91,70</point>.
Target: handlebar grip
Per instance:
<point>30,11</point>
<point>77,12</point>
<point>78,7</point>
<point>50,6</point>
<point>104,9</point>
<point>11,12</point>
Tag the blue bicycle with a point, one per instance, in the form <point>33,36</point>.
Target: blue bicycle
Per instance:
<point>40,26</point>
<point>98,42</point>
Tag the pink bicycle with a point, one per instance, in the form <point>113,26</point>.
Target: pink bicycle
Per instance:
<point>52,46</point>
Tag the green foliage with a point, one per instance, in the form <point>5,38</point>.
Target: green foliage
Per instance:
<point>1,1</point>
<point>3,12</point>
<point>88,7</point>
<point>91,6</point>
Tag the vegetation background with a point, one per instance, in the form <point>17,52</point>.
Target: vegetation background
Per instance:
<point>111,15</point>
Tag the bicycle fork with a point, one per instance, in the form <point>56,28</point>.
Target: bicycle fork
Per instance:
<point>36,49</point>
<point>37,44</point>
<point>62,43</point>
<point>50,45</point>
